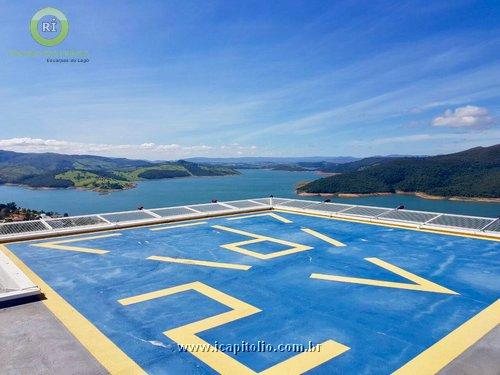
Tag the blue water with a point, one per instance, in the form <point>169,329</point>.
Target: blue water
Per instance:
<point>383,327</point>
<point>251,184</point>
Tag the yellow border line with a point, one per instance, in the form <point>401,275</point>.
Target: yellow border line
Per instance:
<point>112,358</point>
<point>455,343</point>
<point>401,226</point>
<point>204,263</point>
<point>179,226</point>
<point>275,216</point>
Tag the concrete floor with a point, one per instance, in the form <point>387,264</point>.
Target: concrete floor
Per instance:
<point>481,359</point>
<point>34,342</point>
<point>2,286</point>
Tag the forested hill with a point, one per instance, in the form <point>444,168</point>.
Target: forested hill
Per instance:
<point>470,173</point>
<point>92,172</point>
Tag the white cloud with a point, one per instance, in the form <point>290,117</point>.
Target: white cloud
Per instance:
<point>150,151</point>
<point>388,140</point>
<point>469,116</point>
<point>487,136</point>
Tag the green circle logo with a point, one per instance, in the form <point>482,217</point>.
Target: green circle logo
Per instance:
<point>54,28</point>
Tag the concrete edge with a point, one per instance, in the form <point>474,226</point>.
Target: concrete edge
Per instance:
<point>15,282</point>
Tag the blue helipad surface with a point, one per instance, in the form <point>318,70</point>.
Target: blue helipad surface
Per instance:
<point>367,298</point>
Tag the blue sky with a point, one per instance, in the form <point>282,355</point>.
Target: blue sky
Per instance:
<point>173,79</point>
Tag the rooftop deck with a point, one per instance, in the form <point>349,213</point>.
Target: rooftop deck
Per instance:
<point>372,289</point>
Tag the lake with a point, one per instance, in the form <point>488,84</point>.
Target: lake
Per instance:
<point>250,184</point>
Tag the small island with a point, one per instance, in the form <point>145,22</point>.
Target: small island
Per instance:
<point>468,175</point>
<point>98,173</point>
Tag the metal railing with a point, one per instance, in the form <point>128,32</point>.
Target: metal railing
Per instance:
<point>114,220</point>
<point>412,218</point>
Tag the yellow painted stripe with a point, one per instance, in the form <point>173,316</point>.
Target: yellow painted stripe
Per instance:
<point>101,347</point>
<point>420,284</point>
<point>58,245</point>
<point>380,224</point>
<point>273,215</point>
<point>323,237</point>
<point>281,218</point>
<point>180,225</point>
<point>455,343</point>
<point>153,295</point>
<point>204,263</point>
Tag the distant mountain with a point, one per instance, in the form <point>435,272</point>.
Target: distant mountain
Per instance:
<point>93,172</point>
<point>274,160</point>
<point>473,173</point>
<point>290,164</point>
<point>356,165</point>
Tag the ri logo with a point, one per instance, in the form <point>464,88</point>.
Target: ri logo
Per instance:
<point>49,27</point>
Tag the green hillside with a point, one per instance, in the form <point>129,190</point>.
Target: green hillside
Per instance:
<point>471,173</point>
<point>93,172</point>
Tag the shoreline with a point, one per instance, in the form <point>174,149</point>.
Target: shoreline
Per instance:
<point>133,185</point>
<point>417,194</point>
<point>97,190</point>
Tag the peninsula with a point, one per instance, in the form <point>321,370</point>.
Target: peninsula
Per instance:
<point>473,174</point>
<point>51,170</point>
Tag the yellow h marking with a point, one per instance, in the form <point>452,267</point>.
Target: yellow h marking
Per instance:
<point>204,263</point>
<point>420,283</point>
<point>220,361</point>
<point>57,244</point>
<point>236,246</point>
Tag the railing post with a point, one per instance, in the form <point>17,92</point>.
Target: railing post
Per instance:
<point>47,225</point>
<point>489,224</point>
<point>103,219</point>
